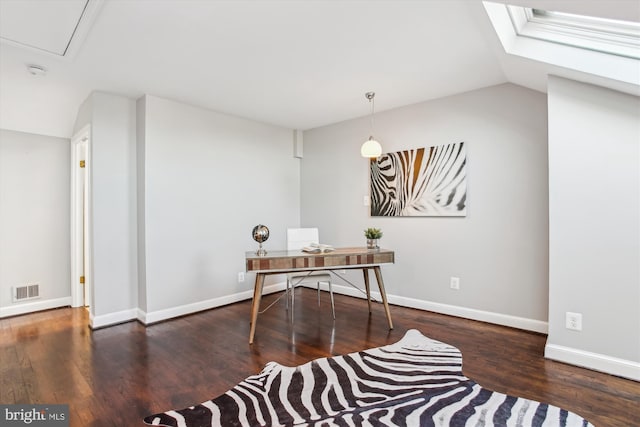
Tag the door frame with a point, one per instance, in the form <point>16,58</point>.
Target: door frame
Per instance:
<point>81,248</point>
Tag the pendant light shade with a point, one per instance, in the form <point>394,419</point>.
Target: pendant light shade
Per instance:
<point>371,148</point>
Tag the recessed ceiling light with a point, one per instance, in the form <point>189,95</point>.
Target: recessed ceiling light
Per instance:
<point>36,70</point>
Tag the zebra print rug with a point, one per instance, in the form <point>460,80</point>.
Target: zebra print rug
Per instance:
<point>414,382</point>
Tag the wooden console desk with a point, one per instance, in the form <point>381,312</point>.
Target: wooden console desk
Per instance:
<point>278,262</point>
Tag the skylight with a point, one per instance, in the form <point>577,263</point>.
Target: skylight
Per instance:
<point>601,47</point>
<point>609,36</point>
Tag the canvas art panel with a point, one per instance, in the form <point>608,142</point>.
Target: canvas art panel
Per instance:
<point>430,181</point>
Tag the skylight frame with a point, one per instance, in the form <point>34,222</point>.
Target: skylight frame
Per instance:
<point>620,38</point>
<point>616,72</point>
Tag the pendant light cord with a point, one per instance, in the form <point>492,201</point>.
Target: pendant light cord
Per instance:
<point>373,107</point>
<point>371,96</point>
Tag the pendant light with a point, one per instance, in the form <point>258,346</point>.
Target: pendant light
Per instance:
<point>371,148</point>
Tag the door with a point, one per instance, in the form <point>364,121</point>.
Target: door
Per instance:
<point>80,229</point>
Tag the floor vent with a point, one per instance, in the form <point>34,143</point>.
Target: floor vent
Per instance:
<point>22,293</point>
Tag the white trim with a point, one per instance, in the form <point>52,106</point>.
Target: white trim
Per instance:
<point>110,319</point>
<point>32,307</point>
<point>453,310</point>
<point>82,136</point>
<point>169,313</point>
<point>595,361</point>
<point>474,314</point>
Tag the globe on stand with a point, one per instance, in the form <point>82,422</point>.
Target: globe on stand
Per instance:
<point>260,234</point>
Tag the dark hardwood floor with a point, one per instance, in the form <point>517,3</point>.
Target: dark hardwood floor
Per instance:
<point>115,376</point>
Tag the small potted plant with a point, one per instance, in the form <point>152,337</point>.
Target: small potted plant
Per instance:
<point>372,235</point>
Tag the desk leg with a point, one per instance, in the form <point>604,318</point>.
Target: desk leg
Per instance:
<point>255,305</point>
<point>383,294</point>
<point>365,271</point>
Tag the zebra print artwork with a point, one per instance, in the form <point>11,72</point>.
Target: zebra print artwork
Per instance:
<point>414,382</point>
<point>428,181</point>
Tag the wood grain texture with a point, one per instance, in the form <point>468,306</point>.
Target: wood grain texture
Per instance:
<point>275,261</point>
<point>115,376</point>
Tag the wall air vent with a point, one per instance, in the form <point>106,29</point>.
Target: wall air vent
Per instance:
<point>27,292</point>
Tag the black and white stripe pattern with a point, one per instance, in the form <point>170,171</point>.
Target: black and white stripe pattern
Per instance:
<point>422,182</point>
<point>415,382</point>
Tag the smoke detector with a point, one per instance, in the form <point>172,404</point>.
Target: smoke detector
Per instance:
<point>36,70</point>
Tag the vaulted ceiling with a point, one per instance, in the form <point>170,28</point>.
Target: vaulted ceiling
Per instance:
<point>297,64</point>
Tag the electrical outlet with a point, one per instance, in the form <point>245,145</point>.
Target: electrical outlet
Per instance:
<point>573,321</point>
<point>366,200</point>
<point>241,277</point>
<point>454,283</point>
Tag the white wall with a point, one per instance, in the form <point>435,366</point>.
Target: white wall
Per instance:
<point>209,178</point>
<point>594,214</point>
<point>499,250</point>
<point>113,193</point>
<point>34,220</point>
<point>113,219</point>
<point>175,192</point>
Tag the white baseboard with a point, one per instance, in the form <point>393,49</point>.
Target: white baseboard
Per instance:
<point>169,313</point>
<point>598,362</point>
<point>453,310</point>
<point>34,306</point>
<point>103,320</point>
<point>595,361</point>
